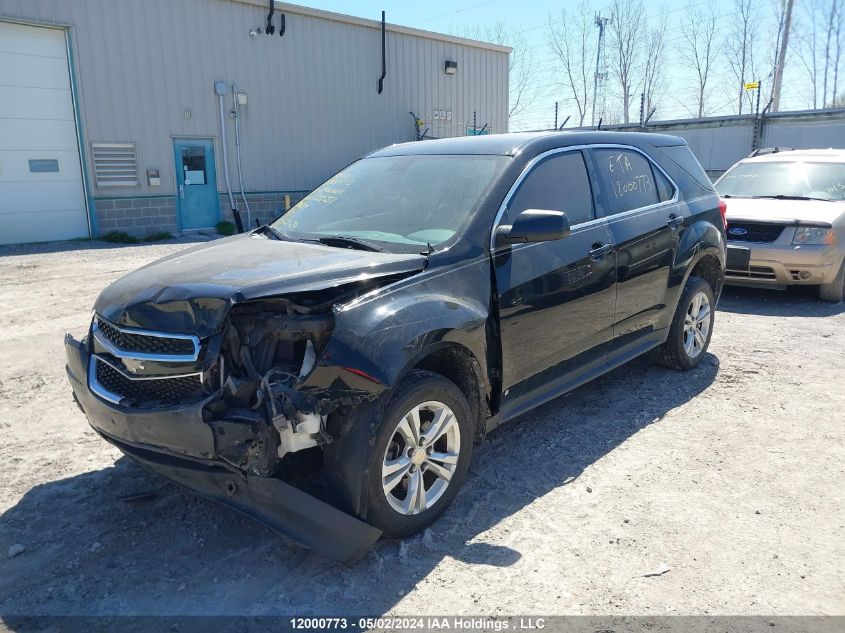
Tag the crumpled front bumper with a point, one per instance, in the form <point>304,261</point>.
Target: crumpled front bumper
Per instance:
<point>177,444</point>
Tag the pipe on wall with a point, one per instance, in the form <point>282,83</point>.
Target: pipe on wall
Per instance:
<point>220,90</point>
<point>237,114</point>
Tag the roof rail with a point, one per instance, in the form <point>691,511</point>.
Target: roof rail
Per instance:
<point>769,150</point>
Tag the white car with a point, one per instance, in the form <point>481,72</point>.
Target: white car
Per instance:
<point>786,220</point>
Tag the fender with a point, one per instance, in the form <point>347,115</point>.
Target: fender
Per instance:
<point>698,240</point>
<point>383,334</point>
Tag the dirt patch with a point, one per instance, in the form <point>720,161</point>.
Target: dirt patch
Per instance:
<point>718,491</point>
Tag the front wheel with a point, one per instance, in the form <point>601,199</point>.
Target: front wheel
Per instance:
<point>692,327</point>
<point>420,456</point>
<point>835,290</point>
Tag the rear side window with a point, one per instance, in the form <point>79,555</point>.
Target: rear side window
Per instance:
<point>683,157</point>
<point>665,190</point>
<point>629,180</point>
<point>559,183</point>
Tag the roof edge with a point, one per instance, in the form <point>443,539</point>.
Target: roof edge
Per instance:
<point>376,24</point>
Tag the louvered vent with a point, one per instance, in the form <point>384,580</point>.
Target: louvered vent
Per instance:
<point>115,164</point>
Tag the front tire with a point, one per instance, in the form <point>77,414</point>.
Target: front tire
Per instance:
<point>692,327</point>
<point>420,456</point>
<point>835,290</point>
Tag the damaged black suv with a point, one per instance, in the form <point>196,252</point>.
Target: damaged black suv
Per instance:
<point>329,373</point>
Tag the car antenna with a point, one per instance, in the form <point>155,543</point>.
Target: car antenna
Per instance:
<point>429,249</point>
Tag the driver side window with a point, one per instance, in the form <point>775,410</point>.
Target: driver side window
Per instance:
<point>559,183</point>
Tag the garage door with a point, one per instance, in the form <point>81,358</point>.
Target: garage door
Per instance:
<point>41,194</point>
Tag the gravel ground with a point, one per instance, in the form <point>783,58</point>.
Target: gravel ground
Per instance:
<point>719,491</point>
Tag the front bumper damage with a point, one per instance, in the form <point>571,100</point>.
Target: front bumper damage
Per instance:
<point>178,443</point>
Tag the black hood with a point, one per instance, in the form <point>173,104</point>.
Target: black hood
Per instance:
<point>191,291</point>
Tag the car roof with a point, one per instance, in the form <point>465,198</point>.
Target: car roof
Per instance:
<point>800,155</point>
<point>532,142</point>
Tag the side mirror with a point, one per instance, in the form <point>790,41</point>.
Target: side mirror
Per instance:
<point>534,225</point>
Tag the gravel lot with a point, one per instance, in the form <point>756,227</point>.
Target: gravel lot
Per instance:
<point>719,491</point>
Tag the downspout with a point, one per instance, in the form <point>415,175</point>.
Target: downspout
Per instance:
<point>237,114</point>
<point>383,55</point>
<point>220,90</point>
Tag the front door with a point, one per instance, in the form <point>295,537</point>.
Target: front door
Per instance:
<point>196,184</point>
<point>556,299</point>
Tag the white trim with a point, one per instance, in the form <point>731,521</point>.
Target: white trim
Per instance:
<point>376,24</point>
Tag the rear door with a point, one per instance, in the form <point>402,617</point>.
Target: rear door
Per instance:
<point>645,218</point>
<point>556,299</point>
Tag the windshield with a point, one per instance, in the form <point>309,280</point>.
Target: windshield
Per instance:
<point>825,181</point>
<point>402,204</point>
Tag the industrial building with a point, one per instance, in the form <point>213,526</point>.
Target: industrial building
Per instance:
<point>117,114</point>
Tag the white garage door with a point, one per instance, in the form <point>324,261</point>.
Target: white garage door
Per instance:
<point>41,193</point>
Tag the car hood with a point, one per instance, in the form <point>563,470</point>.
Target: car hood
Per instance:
<point>192,291</point>
<point>769,209</point>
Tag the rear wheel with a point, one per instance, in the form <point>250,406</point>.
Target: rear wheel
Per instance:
<point>692,327</point>
<point>835,290</point>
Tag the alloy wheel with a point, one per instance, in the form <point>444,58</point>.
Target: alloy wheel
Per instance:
<point>697,325</point>
<point>421,458</point>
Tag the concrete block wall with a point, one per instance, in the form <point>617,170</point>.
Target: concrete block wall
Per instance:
<point>136,216</point>
<point>148,214</point>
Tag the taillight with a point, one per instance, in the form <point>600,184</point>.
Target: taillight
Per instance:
<point>723,209</point>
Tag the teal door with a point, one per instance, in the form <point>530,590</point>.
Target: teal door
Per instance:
<point>197,201</point>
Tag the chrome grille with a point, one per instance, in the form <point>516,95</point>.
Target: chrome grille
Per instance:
<point>129,341</point>
<point>117,372</point>
<point>144,392</point>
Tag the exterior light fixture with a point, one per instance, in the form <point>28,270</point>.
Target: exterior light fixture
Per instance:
<point>451,68</point>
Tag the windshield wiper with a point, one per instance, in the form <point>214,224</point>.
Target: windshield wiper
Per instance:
<point>350,242</point>
<point>781,196</point>
<point>274,232</point>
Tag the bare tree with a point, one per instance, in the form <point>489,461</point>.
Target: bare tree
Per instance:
<point>522,67</point>
<point>626,43</point>
<point>653,79</point>
<point>820,48</point>
<point>699,49</point>
<point>806,30</point>
<point>739,47</point>
<point>839,45</point>
<point>569,39</point>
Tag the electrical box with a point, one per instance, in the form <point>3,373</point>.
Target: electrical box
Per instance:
<point>153,179</point>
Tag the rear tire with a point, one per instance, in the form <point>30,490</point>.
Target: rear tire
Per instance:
<point>691,329</point>
<point>835,290</point>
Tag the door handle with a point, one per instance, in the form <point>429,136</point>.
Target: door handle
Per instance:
<point>599,250</point>
<point>675,220</point>
<point>182,191</point>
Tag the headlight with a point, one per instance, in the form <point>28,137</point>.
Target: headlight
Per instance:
<point>812,235</point>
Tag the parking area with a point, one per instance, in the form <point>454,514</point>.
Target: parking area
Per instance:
<point>719,491</point>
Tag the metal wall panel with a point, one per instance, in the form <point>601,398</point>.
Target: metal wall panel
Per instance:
<point>313,105</point>
<point>719,142</point>
<point>806,135</point>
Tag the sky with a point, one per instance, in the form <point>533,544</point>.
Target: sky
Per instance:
<point>530,18</point>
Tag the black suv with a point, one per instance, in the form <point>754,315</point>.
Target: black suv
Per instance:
<point>329,373</point>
